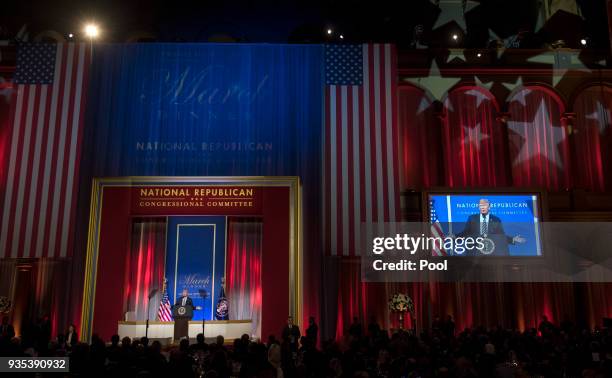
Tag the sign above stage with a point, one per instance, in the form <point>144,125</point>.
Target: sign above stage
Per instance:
<point>220,200</point>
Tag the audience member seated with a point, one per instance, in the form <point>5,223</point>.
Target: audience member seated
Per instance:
<point>548,351</point>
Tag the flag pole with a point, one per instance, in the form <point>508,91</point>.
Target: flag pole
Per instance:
<point>151,294</point>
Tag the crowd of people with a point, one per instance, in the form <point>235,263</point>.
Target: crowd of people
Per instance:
<point>550,350</point>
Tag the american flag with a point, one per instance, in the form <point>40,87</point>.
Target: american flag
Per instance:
<point>361,172</point>
<point>163,313</point>
<point>436,230</point>
<point>43,159</point>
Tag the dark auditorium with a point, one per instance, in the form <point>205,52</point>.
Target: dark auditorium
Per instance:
<point>324,189</point>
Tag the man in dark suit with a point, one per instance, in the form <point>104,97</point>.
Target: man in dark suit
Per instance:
<point>184,300</point>
<point>181,322</point>
<point>486,225</point>
<point>291,334</point>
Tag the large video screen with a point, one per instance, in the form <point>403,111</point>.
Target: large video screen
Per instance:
<point>509,223</point>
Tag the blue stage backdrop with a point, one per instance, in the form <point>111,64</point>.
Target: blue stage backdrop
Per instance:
<point>206,109</point>
<point>195,260</point>
<point>203,110</point>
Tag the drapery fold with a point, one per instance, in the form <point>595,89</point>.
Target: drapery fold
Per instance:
<point>50,285</point>
<point>468,145</point>
<point>7,272</point>
<point>145,266</point>
<point>592,138</point>
<point>473,139</point>
<point>47,285</point>
<point>538,140</point>
<point>421,154</point>
<point>243,281</point>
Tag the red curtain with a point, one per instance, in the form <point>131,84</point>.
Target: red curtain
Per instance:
<point>144,268</point>
<point>420,136</point>
<point>243,261</point>
<point>538,140</point>
<point>473,139</point>
<point>466,145</point>
<point>7,277</point>
<point>471,148</point>
<point>368,300</point>
<point>50,282</point>
<point>45,290</point>
<point>511,305</point>
<point>592,138</point>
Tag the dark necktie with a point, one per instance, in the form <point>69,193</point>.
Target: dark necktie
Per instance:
<point>483,225</point>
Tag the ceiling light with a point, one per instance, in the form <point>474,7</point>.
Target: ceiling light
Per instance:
<point>91,30</point>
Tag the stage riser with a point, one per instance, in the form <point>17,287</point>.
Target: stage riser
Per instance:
<point>158,330</point>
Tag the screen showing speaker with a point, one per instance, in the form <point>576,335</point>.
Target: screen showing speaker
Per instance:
<point>508,224</point>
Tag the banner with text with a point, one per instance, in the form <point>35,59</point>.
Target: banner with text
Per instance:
<point>177,200</point>
<point>195,260</point>
<point>205,109</point>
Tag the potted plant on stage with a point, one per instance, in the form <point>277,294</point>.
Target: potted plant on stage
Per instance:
<point>400,304</point>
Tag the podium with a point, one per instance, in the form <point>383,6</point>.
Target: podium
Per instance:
<point>495,245</point>
<point>182,315</point>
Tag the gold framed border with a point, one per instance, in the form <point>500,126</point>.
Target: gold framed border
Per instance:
<point>95,217</point>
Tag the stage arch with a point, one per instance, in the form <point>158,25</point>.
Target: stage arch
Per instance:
<point>115,201</point>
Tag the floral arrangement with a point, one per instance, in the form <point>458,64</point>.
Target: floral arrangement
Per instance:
<point>5,304</point>
<point>401,303</point>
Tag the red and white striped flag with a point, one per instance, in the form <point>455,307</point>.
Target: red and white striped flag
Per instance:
<point>361,157</point>
<point>43,159</point>
<point>164,313</point>
<point>435,229</point>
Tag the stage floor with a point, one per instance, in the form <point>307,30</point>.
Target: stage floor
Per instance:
<point>230,329</point>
